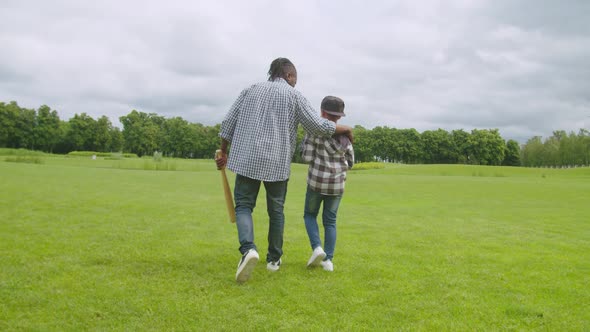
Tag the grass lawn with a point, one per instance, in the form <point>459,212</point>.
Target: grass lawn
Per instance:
<point>115,245</point>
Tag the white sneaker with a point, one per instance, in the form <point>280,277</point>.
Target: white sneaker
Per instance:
<point>327,265</point>
<point>273,266</point>
<point>246,266</point>
<point>316,258</point>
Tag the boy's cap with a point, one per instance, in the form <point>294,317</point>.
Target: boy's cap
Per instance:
<point>333,105</point>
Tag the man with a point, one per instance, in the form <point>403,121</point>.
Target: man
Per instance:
<point>261,126</point>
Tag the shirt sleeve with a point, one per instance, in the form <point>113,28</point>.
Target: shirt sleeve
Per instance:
<point>307,149</point>
<point>310,119</point>
<point>349,155</point>
<point>228,125</point>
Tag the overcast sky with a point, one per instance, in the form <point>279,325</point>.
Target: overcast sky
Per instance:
<point>520,66</point>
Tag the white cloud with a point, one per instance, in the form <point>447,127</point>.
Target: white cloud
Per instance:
<point>516,66</point>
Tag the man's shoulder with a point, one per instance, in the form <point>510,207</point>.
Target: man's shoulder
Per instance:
<point>256,85</point>
<point>276,85</point>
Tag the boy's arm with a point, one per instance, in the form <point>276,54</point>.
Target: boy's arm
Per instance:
<point>307,149</point>
<point>349,155</point>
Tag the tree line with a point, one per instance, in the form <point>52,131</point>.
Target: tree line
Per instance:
<point>559,150</point>
<point>147,133</point>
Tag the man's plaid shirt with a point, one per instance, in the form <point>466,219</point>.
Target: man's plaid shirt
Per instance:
<point>329,159</point>
<point>262,128</point>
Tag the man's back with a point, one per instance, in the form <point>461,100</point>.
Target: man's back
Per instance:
<point>262,137</point>
<point>262,126</point>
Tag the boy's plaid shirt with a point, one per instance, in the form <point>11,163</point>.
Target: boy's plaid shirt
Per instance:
<point>329,159</point>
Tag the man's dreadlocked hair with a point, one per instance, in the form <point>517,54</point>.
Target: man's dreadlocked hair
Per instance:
<point>279,68</point>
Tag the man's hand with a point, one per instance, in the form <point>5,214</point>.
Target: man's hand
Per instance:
<point>221,154</point>
<point>346,131</point>
<point>350,136</point>
<point>221,159</point>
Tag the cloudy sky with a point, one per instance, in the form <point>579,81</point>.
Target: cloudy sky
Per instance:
<point>520,66</point>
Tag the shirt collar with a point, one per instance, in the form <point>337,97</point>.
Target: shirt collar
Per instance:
<point>280,80</point>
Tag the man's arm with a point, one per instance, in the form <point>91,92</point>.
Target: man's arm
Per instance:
<point>316,125</point>
<point>311,121</point>
<point>228,125</point>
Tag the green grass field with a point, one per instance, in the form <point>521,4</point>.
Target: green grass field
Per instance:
<point>115,245</point>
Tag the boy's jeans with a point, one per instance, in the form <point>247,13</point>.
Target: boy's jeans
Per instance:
<point>312,207</point>
<point>245,195</point>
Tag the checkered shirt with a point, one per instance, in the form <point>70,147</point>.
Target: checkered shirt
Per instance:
<point>262,125</point>
<point>329,159</point>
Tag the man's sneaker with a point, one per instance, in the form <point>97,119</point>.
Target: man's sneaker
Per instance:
<point>327,265</point>
<point>316,258</point>
<point>274,266</point>
<point>246,265</point>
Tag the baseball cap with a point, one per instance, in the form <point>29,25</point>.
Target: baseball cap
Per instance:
<point>333,105</point>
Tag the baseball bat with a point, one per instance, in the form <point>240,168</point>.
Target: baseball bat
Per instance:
<point>229,200</point>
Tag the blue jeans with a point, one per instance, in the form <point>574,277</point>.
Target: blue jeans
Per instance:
<point>313,200</point>
<point>245,194</point>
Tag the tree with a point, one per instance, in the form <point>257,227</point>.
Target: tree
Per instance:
<point>102,134</point>
<point>379,142</point>
<point>410,147</point>
<point>46,130</point>
<point>177,138</point>
<point>551,151</point>
<point>117,140</point>
<point>25,129</point>
<point>9,114</point>
<point>487,147</point>
<point>583,146</point>
<point>142,132</point>
<point>362,145</point>
<point>62,145</point>
<point>438,147</point>
<point>81,135</point>
<point>205,140</point>
<point>512,156</point>
<point>532,153</point>
<point>460,140</point>
<point>211,141</point>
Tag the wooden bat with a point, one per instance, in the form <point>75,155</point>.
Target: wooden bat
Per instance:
<point>229,200</point>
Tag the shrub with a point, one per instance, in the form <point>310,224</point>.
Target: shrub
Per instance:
<point>20,152</point>
<point>25,159</point>
<point>368,165</point>
<point>89,154</point>
<point>106,155</point>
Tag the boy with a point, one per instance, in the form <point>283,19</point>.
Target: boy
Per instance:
<point>329,158</point>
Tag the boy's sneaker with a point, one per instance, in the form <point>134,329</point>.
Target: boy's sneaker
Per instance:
<point>246,265</point>
<point>327,265</point>
<point>316,258</point>
<point>273,266</point>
